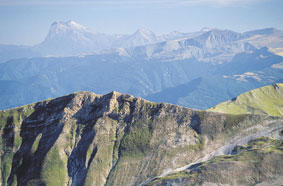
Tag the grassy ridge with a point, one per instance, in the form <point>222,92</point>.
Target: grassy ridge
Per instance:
<point>265,100</point>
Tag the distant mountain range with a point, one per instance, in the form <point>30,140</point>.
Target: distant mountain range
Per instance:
<point>184,82</point>
<point>70,38</point>
<point>208,45</point>
<point>87,138</point>
<point>197,70</point>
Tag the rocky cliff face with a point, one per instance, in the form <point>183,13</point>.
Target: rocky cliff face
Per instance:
<point>116,139</point>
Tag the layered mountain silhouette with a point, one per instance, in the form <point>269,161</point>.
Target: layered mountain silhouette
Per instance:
<point>70,38</point>
<point>24,81</point>
<point>208,45</point>
<point>220,64</point>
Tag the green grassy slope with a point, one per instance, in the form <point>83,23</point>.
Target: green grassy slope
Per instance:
<point>264,100</point>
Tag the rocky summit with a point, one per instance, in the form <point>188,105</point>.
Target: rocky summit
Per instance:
<point>117,139</point>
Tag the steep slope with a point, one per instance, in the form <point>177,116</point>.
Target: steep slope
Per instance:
<point>268,37</point>
<point>174,35</point>
<point>70,38</point>
<point>116,139</point>
<point>245,72</point>
<point>153,71</point>
<point>264,100</point>
<point>207,45</point>
<point>139,38</point>
<point>30,80</point>
<point>258,163</point>
<point>214,46</point>
<point>25,81</point>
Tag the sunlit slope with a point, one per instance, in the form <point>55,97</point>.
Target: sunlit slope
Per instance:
<point>264,100</point>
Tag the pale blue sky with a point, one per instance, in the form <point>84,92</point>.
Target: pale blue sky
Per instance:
<point>26,22</point>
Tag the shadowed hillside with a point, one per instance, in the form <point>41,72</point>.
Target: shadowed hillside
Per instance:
<point>117,139</point>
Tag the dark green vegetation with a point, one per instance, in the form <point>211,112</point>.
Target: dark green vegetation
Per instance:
<point>117,139</point>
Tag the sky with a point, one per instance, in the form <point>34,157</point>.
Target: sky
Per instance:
<point>27,22</point>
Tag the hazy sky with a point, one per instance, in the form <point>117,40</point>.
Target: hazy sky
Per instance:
<point>26,22</point>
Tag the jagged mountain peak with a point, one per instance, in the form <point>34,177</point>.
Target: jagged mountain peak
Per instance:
<point>116,139</point>
<point>141,37</point>
<point>70,38</point>
<point>58,26</point>
<point>67,23</point>
<point>144,30</point>
<point>68,30</point>
<point>145,34</point>
<point>110,94</point>
<point>221,32</point>
<point>217,37</point>
<point>206,29</point>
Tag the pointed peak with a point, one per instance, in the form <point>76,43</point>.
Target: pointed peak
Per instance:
<point>114,92</point>
<point>55,23</point>
<point>144,31</point>
<point>206,29</point>
<point>74,24</point>
<point>67,24</point>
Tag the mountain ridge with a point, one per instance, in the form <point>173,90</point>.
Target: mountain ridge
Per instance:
<point>25,81</point>
<point>240,64</point>
<point>117,139</point>
<point>264,100</point>
<point>72,39</point>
